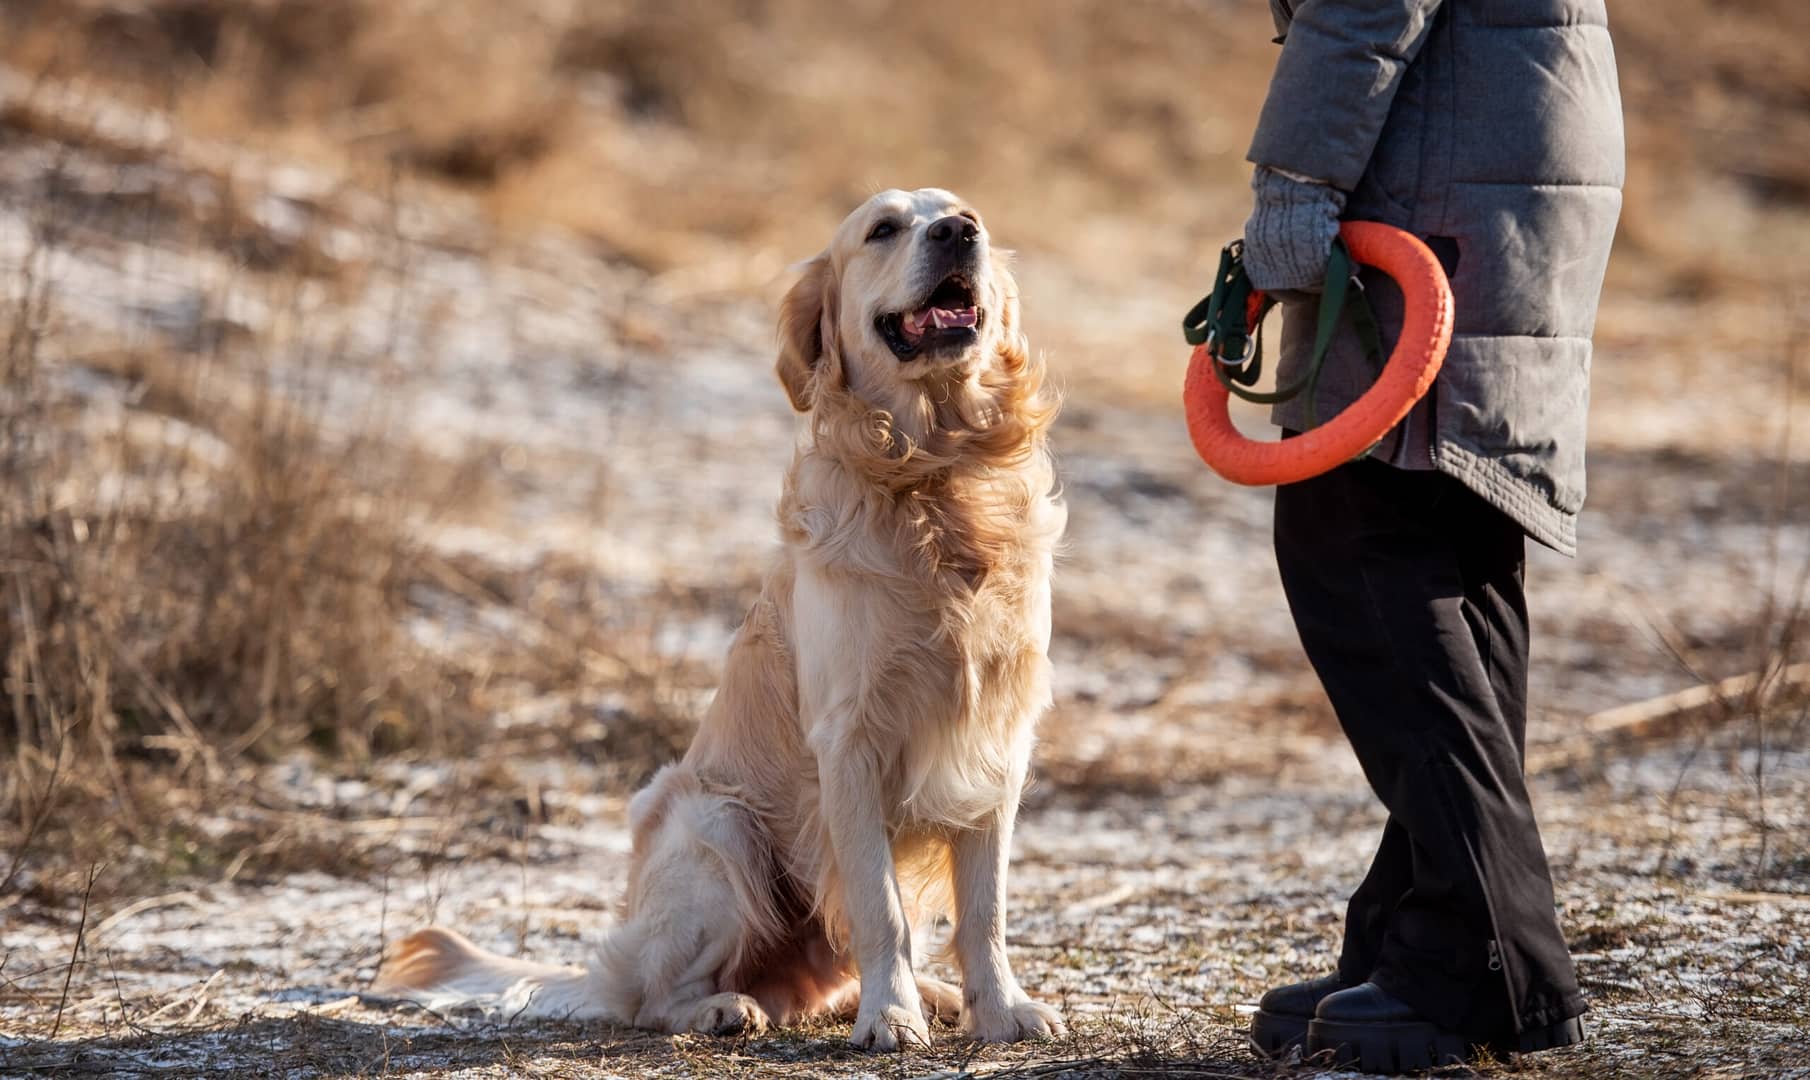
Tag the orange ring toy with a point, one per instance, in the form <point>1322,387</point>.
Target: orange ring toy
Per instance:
<point>1426,333</point>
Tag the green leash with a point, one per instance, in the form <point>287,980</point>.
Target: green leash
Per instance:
<point>1226,323</point>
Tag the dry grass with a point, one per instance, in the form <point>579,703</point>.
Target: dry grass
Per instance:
<point>178,589</point>
<point>207,564</point>
<point>1065,117</point>
<point>777,118</point>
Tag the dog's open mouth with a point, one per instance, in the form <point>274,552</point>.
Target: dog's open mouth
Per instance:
<point>947,320</point>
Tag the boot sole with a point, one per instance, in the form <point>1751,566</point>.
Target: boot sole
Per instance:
<point>1392,1048</point>
<point>1386,1048</point>
<point>1275,1033</point>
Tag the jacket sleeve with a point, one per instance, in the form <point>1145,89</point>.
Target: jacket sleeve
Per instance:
<point>1340,67</point>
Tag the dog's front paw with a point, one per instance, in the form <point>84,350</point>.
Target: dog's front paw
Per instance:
<point>728,1014</point>
<point>890,1027</point>
<point>1011,1020</point>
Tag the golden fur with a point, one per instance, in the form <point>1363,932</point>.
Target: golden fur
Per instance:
<point>863,760</point>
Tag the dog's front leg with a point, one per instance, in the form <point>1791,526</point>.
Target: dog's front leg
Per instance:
<point>890,1013</point>
<point>994,1007</point>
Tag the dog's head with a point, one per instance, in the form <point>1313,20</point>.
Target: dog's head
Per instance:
<point>909,290</point>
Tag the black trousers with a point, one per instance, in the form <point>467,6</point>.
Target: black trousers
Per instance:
<point>1406,589</point>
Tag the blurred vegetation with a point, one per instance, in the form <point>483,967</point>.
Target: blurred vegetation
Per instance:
<point>657,127</point>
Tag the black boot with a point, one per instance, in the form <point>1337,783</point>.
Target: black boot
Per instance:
<point>1284,1013</point>
<point>1367,1027</point>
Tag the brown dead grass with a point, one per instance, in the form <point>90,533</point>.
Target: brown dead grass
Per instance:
<point>178,589</point>
<point>203,569</point>
<point>666,130</point>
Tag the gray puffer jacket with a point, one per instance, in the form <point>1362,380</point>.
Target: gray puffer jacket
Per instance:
<point>1492,129</point>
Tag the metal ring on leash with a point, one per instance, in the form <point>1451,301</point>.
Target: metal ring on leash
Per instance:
<point>1426,333</point>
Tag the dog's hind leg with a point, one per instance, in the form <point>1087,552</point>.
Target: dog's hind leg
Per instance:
<point>700,908</point>
<point>941,1000</point>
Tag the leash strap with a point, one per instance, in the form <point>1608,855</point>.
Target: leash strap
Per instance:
<point>1229,322</point>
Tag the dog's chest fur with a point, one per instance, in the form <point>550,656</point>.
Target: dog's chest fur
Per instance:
<point>923,618</point>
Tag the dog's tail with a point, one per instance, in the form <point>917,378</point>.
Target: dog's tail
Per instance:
<point>443,969</point>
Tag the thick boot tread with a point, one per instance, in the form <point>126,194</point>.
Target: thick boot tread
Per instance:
<point>1275,1033</point>
<point>1386,1048</point>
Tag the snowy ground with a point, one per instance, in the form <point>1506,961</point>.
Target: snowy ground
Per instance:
<point>1196,823</point>
<point>1154,919</point>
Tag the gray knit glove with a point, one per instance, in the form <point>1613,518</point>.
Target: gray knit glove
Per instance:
<point>1290,232</point>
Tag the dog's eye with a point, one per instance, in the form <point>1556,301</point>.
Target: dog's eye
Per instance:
<point>881,231</point>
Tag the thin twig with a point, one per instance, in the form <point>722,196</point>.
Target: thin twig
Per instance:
<point>75,952</point>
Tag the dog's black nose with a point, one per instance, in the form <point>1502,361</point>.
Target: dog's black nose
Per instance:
<point>952,233</point>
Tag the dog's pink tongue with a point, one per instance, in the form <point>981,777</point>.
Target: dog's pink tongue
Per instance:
<point>941,318</point>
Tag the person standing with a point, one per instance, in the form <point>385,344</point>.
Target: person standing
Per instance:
<point>1492,130</point>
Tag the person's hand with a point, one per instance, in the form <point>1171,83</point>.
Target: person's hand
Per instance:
<point>1290,232</point>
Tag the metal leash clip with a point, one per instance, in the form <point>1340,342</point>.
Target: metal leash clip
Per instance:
<point>1220,323</point>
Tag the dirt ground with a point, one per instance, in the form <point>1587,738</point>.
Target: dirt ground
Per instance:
<point>1153,919</point>
<point>611,427</point>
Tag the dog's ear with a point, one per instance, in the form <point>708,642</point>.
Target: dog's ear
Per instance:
<point>806,330</point>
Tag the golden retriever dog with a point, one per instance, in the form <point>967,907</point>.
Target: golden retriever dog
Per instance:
<point>862,763</point>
